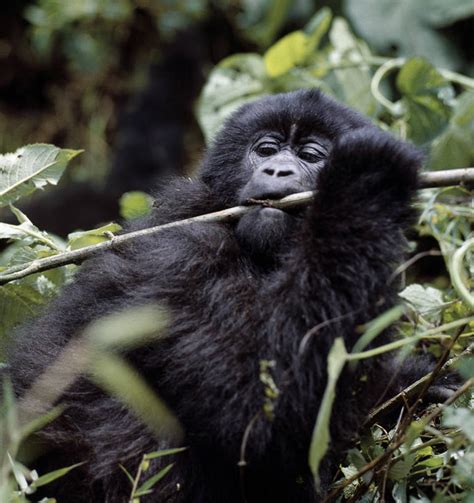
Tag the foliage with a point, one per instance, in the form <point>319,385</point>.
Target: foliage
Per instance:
<point>426,456</point>
<point>411,26</point>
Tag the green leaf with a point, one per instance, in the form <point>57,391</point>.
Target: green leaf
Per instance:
<point>320,438</point>
<point>135,204</point>
<point>455,147</point>
<point>236,80</point>
<point>427,301</point>
<point>27,232</point>
<point>426,96</point>
<point>128,329</point>
<point>41,421</point>
<point>376,327</point>
<point>148,484</point>
<point>56,474</point>
<point>30,168</point>
<point>19,301</point>
<point>94,236</point>
<point>288,52</point>
<point>432,462</point>
<point>401,469</point>
<point>164,452</point>
<point>119,379</point>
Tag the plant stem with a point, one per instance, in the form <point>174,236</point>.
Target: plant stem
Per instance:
<point>427,180</point>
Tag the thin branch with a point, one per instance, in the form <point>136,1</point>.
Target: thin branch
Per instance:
<point>446,178</point>
<point>427,180</point>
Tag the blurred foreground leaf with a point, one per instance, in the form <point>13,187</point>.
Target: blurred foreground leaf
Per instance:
<point>320,438</point>
<point>119,379</point>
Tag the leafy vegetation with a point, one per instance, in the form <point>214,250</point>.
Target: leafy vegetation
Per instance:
<point>428,454</point>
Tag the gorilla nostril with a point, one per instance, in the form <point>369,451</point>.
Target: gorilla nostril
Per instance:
<point>285,172</point>
<point>269,171</point>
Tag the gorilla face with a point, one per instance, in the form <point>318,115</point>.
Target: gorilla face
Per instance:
<point>278,166</point>
<point>283,166</point>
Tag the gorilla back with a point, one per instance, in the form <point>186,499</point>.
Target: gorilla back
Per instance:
<point>240,294</point>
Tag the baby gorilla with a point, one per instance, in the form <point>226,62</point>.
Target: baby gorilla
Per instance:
<point>239,294</point>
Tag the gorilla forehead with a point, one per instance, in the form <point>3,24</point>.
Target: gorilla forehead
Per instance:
<point>309,110</point>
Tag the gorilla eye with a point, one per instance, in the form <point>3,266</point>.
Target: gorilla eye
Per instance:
<point>266,149</point>
<point>310,154</point>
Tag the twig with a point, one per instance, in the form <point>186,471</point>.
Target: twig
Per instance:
<point>446,178</point>
<point>427,180</point>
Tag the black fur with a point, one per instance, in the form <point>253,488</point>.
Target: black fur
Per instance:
<point>231,310</point>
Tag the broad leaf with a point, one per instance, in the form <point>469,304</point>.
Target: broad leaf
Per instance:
<point>287,53</point>
<point>236,80</point>
<point>426,95</point>
<point>428,302</point>
<point>22,300</point>
<point>30,168</point>
<point>455,147</point>
<point>94,236</point>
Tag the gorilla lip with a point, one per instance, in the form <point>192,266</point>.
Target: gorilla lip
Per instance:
<point>269,210</point>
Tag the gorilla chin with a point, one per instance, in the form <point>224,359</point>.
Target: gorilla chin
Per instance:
<point>262,232</point>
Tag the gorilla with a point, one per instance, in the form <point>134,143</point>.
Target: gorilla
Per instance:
<point>240,294</point>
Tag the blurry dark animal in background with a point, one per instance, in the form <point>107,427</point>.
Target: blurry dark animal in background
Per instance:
<point>239,294</point>
<point>150,145</point>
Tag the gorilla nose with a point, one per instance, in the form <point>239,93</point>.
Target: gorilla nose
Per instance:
<point>279,171</point>
<point>271,183</point>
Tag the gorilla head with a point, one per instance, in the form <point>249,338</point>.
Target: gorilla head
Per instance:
<point>269,149</point>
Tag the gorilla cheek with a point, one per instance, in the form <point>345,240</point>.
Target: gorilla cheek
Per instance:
<point>262,231</point>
